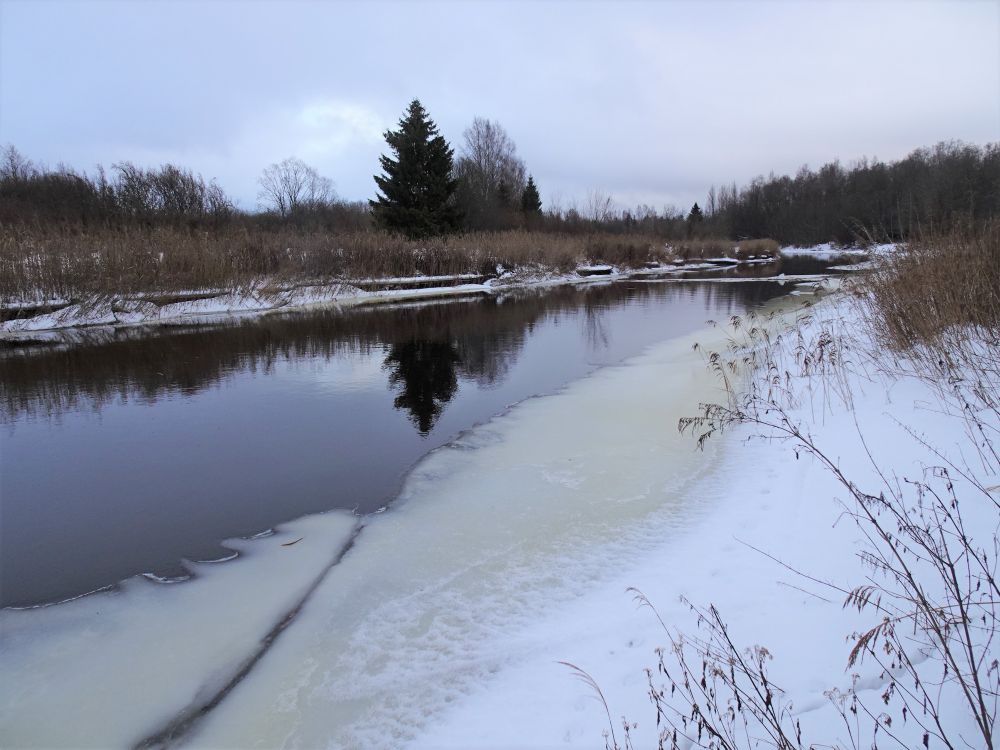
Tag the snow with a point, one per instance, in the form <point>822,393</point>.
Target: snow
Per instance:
<point>400,280</point>
<point>104,669</point>
<point>37,301</point>
<point>863,266</point>
<point>419,294</point>
<point>139,312</point>
<point>759,496</point>
<point>830,251</point>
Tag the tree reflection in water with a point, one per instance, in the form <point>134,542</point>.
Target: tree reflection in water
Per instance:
<point>424,371</point>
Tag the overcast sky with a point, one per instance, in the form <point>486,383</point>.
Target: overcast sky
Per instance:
<point>649,102</point>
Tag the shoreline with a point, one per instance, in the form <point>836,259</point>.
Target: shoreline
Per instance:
<point>206,307</point>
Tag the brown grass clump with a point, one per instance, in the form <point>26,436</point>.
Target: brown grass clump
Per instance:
<point>935,289</point>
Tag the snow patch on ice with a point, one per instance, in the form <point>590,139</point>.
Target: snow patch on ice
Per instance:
<point>106,669</point>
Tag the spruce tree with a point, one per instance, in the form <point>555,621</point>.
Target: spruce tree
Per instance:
<point>531,201</point>
<point>417,188</point>
<point>694,220</point>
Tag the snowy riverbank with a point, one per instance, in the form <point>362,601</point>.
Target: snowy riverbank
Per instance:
<point>206,305</point>
<point>774,549</point>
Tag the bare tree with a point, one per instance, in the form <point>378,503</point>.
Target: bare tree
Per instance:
<point>14,166</point>
<point>291,185</point>
<point>168,192</point>
<point>600,205</point>
<point>491,175</point>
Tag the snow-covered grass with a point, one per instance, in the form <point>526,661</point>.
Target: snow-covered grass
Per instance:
<point>937,292</point>
<point>132,263</point>
<point>88,265</point>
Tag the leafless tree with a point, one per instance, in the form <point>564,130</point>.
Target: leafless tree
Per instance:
<point>14,166</point>
<point>491,175</point>
<point>291,185</point>
<point>600,205</point>
<point>168,192</point>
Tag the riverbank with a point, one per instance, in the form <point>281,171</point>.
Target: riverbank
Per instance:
<point>28,321</point>
<point>782,544</point>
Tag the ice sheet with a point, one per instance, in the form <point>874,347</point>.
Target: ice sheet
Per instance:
<point>106,669</point>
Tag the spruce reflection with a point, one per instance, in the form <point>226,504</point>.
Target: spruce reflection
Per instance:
<point>425,372</point>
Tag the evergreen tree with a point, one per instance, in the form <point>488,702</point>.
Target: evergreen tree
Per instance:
<point>417,188</point>
<point>531,201</point>
<point>694,219</point>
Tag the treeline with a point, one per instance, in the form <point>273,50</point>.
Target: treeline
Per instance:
<point>34,196</point>
<point>931,190</point>
<point>488,188</point>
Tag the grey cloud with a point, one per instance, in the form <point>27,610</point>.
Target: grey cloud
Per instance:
<point>654,101</point>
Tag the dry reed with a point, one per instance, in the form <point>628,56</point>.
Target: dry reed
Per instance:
<point>75,265</point>
<point>935,289</point>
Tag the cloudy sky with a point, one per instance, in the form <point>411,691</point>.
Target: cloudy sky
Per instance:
<point>648,101</point>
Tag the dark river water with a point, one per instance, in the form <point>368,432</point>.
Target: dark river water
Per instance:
<point>137,448</point>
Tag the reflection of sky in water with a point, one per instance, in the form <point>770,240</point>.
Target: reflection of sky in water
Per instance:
<point>350,372</point>
<point>126,456</point>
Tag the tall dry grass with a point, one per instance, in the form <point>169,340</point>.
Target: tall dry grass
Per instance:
<point>82,265</point>
<point>935,289</point>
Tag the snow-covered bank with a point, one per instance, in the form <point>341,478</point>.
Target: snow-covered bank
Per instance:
<point>197,306</point>
<point>829,251</point>
<point>769,502</point>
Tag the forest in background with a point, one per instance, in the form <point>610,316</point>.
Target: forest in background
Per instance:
<point>931,189</point>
